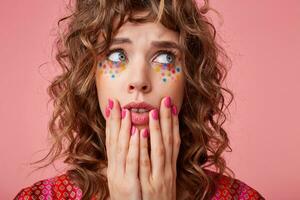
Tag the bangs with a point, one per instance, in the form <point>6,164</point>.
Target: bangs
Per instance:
<point>152,11</point>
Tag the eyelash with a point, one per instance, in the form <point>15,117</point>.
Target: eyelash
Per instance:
<point>171,52</point>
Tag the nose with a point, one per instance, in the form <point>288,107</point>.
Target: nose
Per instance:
<point>139,81</point>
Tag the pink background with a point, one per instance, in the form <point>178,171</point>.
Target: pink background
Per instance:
<point>262,38</point>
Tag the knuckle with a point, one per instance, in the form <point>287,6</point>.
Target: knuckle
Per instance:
<point>130,160</point>
<point>169,177</point>
<point>120,149</point>
<point>144,146</point>
<point>156,128</point>
<point>176,123</point>
<point>114,116</point>
<point>145,162</point>
<point>168,115</point>
<point>111,143</point>
<point>169,139</point>
<point>177,142</point>
<point>160,151</point>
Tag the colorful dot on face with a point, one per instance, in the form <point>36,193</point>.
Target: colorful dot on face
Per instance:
<point>111,68</point>
<point>167,71</point>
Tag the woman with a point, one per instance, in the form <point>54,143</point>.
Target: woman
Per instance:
<point>139,106</point>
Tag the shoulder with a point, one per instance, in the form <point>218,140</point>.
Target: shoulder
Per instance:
<point>58,187</point>
<point>232,188</point>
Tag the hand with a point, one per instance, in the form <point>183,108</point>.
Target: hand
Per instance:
<point>122,153</point>
<point>158,176</point>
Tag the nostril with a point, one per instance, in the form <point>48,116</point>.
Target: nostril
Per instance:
<point>144,87</point>
<point>131,87</point>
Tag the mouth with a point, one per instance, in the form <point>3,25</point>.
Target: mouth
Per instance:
<point>139,112</point>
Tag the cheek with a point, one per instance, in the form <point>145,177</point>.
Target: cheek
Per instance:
<point>107,82</point>
<point>170,81</point>
<point>110,69</point>
<point>168,73</point>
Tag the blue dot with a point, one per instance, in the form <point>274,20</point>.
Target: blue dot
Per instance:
<point>178,69</point>
<point>113,76</point>
<point>100,64</point>
<point>164,79</point>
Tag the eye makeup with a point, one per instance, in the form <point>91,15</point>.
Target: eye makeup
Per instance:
<point>111,68</point>
<point>168,72</point>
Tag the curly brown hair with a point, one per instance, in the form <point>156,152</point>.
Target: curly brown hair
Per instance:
<point>77,125</point>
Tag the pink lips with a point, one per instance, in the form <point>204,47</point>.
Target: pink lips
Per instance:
<point>139,118</point>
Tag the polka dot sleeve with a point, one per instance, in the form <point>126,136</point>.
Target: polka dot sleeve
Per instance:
<point>59,187</point>
<point>229,188</point>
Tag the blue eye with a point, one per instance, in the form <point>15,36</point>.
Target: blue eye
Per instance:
<point>117,56</point>
<point>165,57</point>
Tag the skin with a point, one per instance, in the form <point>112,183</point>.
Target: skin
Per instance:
<point>132,170</point>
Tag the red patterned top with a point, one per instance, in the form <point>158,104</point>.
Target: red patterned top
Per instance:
<point>62,188</point>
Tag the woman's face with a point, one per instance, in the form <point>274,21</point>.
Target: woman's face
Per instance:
<point>143,65</point>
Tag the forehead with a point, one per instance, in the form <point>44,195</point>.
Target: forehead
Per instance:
<point>148,31</point>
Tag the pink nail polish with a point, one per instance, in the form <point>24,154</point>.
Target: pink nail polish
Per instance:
<point>133,130</point>
<point>174,110</point>
<point>145,133</point>
<point>107,112</point>
<point>123,113</point>
<point>167,102</point>
<point>110,104</point>
<point>155,114</point>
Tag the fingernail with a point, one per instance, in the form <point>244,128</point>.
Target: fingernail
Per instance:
<point>123,113</point>
<point>107,112</point>
<point>168,102</point>
<point>110,104</point>
<point>133,130</point>
<point>145,133</point>
<point>174,110</point>
<point>155,114</point>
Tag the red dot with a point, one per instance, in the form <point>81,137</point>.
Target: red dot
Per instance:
<point>173,71</point>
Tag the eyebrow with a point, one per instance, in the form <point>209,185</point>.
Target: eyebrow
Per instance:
<point>157,44</point>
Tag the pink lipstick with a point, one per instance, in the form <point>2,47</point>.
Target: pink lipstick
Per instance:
<point>139,112</point>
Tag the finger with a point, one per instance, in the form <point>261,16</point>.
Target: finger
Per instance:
<point>107,134</point>
<point>145,164</point>
<point>157,148</point>
<point>114,124</point>
<point>132,161</point>
<point>176,137</point>
<point>124,137</point>
<point>166,129</point>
